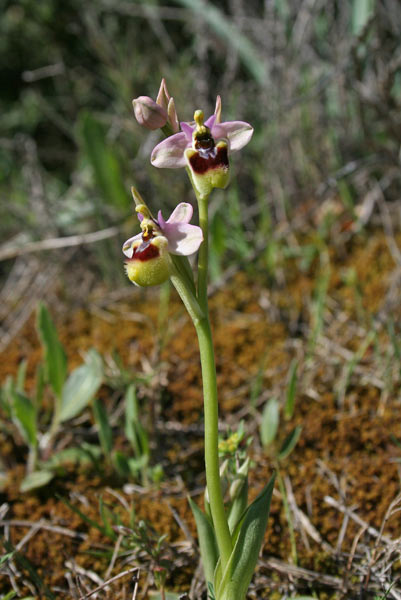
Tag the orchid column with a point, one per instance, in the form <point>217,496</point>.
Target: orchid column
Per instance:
<point>160,251</point>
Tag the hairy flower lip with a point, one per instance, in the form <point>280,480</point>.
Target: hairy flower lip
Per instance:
<point>170,153</point>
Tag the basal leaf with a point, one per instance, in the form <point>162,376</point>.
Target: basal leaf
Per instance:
<point>81,386</point>
<point>290,442</point>
<point>292,383</point>
<point>270,421</point>
<point>36,480</point>
<point>104,161</point>
<point>55,357</point>
<point>207,541</point>
<point>241,565</point>
<point>105,432</point>
<point>24,415</point>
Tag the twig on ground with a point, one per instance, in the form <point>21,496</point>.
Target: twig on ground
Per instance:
<point>11,250</point>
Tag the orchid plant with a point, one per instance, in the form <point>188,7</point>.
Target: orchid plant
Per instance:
<point>230,533</point>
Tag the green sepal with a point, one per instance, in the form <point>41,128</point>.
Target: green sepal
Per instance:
<point>241,565</point>
<point>207,541</point>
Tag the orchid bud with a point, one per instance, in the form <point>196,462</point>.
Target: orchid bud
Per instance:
<point>149,113</point>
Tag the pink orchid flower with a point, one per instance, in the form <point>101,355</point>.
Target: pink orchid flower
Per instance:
<point>170,153</point>
<point>183,238</point>
<point>148,252</point>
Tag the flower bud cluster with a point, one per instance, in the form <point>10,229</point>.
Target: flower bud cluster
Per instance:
<point>157,114</point>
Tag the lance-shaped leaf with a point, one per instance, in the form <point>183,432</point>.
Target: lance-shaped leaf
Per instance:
<point>238,506</point>
<point>207,541</point>
<point>102,421</point>
<point>241,565</point>
<point>24,414</point>
<point>81,386</point>
<point>35,480</point>
<point>290,442</point>
<point>270,421</point>
<point>55,357</point>
<point>292,383</point>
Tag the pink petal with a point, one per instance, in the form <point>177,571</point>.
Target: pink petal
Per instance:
<point>181,214</point>
<point>238,133</point>
<point>170,152</point>
<point>161,222</point>
<point>127,246</point>
<point>183,239</point>
<point>188,130</point>
<point>210,121</point>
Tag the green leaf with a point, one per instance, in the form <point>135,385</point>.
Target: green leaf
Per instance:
<point>81,386</point>
<point>5,558</point>
<point>36,480</point>
<point>241,565</point>
<point>292,383</point>
<point>207,541</point>
<point>21,375</point>
<point>39,387</point>
<point>270,421</point>
<point>55,357</point>
<point>290,442</point>
<point>362,11</point>
<point>87,453</point>
<point>24,414</point>
<point>104,161</point>
<point>134,430</point>
<point>227,30</point>
<point>107,519</point>
<point>238,506</point>
<point>11,594</point>
<point>105,432</point>
<point>122,465</point>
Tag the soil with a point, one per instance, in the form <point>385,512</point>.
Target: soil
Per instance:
<point>340,480</point>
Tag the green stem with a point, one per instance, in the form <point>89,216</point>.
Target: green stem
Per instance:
<point>203,260</point>
<point>198,310</point>
<point>216,502</point>
<point>202,326</point>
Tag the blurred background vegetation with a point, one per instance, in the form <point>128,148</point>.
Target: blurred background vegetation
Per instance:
<point>319,80</point>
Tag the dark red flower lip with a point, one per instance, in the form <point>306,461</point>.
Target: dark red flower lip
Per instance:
<point>205,160</point>
<point>145,251</point>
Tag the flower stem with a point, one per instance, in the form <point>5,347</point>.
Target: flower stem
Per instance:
<point>203,260</point>
<point>204,333</point>
<point>220,524</point>
<point>210,398</point>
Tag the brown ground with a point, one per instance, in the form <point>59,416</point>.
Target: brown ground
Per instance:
<point>346,459</point>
